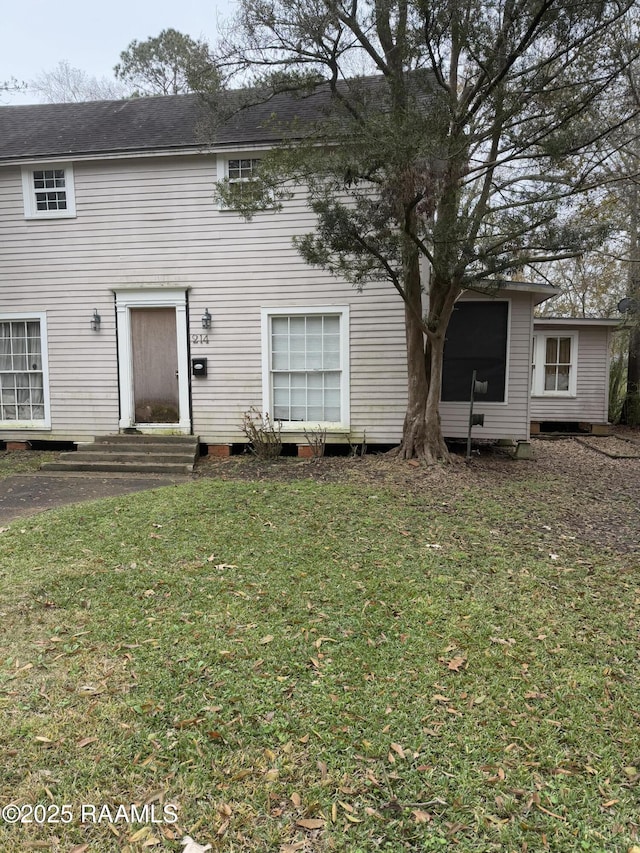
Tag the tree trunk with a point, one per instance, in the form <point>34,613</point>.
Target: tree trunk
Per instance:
<point>630,414</point>
<point>631,407</point>
<point>435,449</point>
<point>414,428</point>
<point>422,436</point>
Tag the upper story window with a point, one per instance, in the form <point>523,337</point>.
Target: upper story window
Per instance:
<point>555,365</point>
<point>48,191</point>
<point>241,174</point>
<point>241,188</point>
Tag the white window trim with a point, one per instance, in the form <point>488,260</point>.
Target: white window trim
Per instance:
<point>539,351</point>
<point>45,423</point>
<point>29,192</point>
<point>222,170</point>
<point>345,393</point>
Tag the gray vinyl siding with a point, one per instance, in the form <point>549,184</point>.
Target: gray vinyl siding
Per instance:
<point>511,418</point>
<point>153,223</point>
<point>591,402</point>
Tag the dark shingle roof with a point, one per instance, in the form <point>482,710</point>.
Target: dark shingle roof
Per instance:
<point>141,124</point>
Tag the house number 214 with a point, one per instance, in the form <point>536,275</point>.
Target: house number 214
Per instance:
<point>199,339</point>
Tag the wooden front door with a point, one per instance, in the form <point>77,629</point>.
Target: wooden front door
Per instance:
<point>155,366</point>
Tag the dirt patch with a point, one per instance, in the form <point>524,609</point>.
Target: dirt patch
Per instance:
<point>576,491</point>
<point>590,496</point>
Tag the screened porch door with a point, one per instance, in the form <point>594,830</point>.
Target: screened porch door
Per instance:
<point>155,365</point>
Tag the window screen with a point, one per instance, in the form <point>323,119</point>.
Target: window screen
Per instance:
<point>476,339</point>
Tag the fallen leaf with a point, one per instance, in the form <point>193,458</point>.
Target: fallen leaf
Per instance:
<point>86,741</point>
<point>139,835</point>
<point>455,664</point>
<point>296,799</point>
<point>421,816</point>
<point>398,749</point>
<point>310,823</point>
<point>267,639</point>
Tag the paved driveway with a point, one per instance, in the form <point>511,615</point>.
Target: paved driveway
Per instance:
<point>27,494</point>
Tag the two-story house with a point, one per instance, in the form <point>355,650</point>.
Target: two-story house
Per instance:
<point>130,298</point>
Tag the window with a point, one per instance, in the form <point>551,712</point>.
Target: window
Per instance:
<point>554,365</point>
<point>476,339</point>
<point>240,174</point>
<point>23,377</point>
<point>306,378</point>
<point>48,192</point>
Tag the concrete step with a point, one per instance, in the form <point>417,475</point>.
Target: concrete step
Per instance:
<point>136,438</point>
<point>120,467</point>
<point>132,453</point>
<point>93,455</point>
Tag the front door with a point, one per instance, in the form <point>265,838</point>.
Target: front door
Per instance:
<point>155,366</point>
<point>153,359</point>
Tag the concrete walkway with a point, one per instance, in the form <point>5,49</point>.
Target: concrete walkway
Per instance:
<point>27,494</point>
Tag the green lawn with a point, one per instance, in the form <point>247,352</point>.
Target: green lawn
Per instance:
<point>313,667</point>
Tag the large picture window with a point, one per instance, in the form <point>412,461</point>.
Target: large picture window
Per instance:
<point>476,339</point>
<point>307,377</point>
<point>23,385</point>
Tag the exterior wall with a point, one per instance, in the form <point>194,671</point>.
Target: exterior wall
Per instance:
<point>511,418</point>
<point>591,402</point>
<point>151,223</point>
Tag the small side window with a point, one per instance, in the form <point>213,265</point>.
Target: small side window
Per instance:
<point>48,191</point>
<point>555,365</point>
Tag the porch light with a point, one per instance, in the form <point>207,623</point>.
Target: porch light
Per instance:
<point>206,319</point>
<point>95,321</point>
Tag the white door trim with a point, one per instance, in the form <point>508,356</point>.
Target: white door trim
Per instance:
<point>149,298</point>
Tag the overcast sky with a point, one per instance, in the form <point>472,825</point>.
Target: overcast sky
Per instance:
<point>38,34</point>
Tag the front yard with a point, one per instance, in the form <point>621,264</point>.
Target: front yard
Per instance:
<point>344,655</point>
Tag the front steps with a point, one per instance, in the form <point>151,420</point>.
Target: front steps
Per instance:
<point>131,454</point>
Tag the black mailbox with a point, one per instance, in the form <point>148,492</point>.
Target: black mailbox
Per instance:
<point>199,366</point>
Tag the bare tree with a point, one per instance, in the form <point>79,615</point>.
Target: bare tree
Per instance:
<point>66,84</point>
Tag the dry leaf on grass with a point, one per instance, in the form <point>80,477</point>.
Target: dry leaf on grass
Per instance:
<point>310,823</point>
